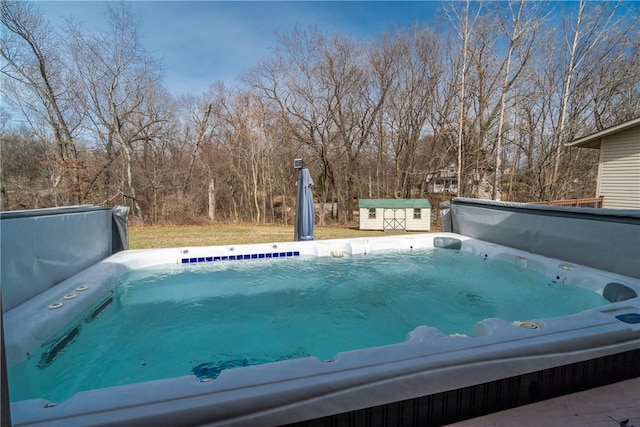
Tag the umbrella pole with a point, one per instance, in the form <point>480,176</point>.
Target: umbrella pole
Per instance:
<point>299,165</point>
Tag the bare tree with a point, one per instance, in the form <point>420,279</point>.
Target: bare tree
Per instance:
<point>24,180</point>
<point>496,98</point>
<point>290,82</point>
<point>119,79</point>
<point>201,114</point>
<point>519,24</point>
<point>358,85</point>
<point>613,86</point>
<point>332,92</point>
<point>37,83</point>
<point>156,132</point>
<point>413,76</point>
<point>244,118</point>
<point>588,41</point>
<point>463,19</point>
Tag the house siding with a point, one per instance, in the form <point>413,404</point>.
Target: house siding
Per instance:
<point>619,170</point>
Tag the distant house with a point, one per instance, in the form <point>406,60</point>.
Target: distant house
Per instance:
<point>444,180</point>
<point>395,214</point>
<point>443,183</point>
<point>619,164</point>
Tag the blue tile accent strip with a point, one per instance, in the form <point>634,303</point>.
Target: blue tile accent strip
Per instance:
<point>265,255</point>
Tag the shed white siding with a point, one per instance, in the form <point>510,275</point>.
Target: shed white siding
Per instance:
<point>367,223</point>
<point>421,224</point>
<point>395,219</point>
<point>619,170</point>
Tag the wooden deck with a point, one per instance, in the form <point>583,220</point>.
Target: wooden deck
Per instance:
<point>614,405</point>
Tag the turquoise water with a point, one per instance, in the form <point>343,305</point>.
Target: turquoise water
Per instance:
<point>202,319</point>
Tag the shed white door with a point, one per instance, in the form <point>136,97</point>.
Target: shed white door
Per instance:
<point>394,219</point>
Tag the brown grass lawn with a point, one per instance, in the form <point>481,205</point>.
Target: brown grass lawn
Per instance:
<point>179,236</point>
<point>176,236</point>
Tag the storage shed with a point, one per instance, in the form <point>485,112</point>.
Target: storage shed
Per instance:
<point>619,164</point>
<point>395,214</point>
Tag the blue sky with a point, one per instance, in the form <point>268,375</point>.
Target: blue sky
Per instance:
<point>202,42</point>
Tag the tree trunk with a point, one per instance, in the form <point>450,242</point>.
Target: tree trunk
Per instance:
<point>212,201</point>
<point>132,191</point>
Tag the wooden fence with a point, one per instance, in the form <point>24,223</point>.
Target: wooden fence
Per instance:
<point>596,202</point>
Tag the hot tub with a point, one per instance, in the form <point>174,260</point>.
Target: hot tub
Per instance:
<point>429,376</point>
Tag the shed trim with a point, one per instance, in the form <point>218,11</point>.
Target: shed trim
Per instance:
<point>394,203</point>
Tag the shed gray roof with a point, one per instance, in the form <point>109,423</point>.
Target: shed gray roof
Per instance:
<point>394,203</point>
<point>593,140</point>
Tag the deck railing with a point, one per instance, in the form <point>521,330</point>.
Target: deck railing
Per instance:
<point>596,202</point>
